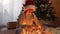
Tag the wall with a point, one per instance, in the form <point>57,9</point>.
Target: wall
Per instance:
<point>56,5</point>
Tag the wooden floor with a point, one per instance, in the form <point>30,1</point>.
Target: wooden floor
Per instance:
<point>8,32</point>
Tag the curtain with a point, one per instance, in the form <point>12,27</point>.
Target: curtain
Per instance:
<point>10,11</point>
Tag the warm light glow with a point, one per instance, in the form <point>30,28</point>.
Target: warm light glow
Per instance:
<point>28,26</point>
<point>33,30</point>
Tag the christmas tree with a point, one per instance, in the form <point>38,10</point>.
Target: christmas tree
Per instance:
<point>44,10</point>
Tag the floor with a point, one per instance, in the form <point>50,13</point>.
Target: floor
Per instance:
<point>49,29</point>
<point>8,32</point>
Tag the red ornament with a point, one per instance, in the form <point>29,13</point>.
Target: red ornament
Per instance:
<point>29,2</point>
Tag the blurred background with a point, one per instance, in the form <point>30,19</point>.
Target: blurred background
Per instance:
<point>10,10</point>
